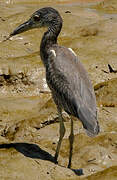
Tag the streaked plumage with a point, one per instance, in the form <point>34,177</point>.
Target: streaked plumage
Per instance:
<point>66,77</point>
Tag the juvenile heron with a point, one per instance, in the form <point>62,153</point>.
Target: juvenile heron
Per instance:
<point>65,75</point>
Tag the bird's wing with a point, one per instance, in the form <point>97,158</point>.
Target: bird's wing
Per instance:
<point>71,84</point>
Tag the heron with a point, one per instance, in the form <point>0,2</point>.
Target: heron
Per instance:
<point>66,77</point>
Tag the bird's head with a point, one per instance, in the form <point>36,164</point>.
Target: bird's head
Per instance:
<point>44,17</point>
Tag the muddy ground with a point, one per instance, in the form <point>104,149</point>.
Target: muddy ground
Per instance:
<point>29,127</point>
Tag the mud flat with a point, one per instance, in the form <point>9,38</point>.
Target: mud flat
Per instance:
<point>29,127</point>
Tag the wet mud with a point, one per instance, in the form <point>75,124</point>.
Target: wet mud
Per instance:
<point>29,127</point>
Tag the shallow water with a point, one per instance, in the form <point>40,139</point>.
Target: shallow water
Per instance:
<point>27,111</point>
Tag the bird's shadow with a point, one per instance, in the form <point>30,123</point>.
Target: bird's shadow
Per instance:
<point>30,150</point>
<point>35,152</point>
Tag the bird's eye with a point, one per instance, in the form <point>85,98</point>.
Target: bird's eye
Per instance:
<point>36,18</point>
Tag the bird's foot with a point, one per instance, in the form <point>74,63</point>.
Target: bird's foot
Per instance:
<point>55,160</point>
<point>69,166</point>
<point>78,172</point>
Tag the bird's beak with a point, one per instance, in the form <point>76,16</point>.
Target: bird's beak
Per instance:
<point>23,27</point>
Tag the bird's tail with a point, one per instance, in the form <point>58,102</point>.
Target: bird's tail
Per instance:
<point>89,121</point>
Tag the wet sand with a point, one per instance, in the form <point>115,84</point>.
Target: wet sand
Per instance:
<point>28,117</point>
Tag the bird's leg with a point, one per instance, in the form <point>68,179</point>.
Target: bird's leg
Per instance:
<point>71,140</point>
<point>62,132</point>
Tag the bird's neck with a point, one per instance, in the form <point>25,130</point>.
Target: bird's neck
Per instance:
<point>48,40</point>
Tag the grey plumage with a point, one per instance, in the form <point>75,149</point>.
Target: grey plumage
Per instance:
<point>66,77</point>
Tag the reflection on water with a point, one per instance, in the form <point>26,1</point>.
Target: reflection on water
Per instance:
<point>26,106</point>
